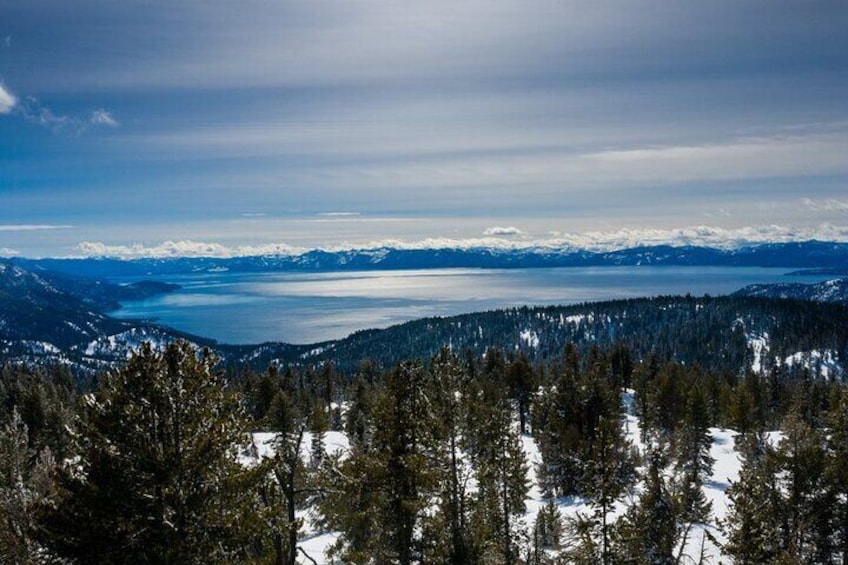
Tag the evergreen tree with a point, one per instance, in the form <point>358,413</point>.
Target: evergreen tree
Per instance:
<point>319,424</point>
<point>649,531</point>
<point>358,414</point>
<point>522,384</point>
<point>448,530</point>
<point>547,534</point>
<point>694,461</point>
<point>156,478</point>
<point>355,496</point>
<point>806,509</point>
<point>609,472</point>
<point>559,430</point>
<point>752,523</point>
<point>284,478</point>
<point>837,469</point>
<point>621,366</point>
<point>377,497</point>
<point>501,473</point>
<point>25,485</point>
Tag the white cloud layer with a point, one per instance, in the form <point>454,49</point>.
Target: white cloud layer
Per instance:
<point>829,205</point>
<point>499,230</point>
<point>35,112</point>
<point>183,248</point>
<point>103,118</point>
<point>8,252</point>
<point>599,241</point>
<point>7,101</point>
<point>32,227</point>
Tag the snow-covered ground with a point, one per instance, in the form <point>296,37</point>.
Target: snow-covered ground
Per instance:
<point>725,471</point>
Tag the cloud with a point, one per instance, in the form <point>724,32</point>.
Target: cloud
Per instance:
<point>293,43</point>
<point>338,214</point>
<point>597,241</point>
<point>183,248</point>
<point>7,100</point>
<point>33,227</point>
<point>35,112</point>
<point>103,118</point>
<point>7,252</point>
<point>498,230</point>
<point>829,205</point>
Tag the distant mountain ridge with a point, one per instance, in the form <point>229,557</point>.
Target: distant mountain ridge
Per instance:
<point>800,255</point>
<point>45,316</point>
<point>835,290</point>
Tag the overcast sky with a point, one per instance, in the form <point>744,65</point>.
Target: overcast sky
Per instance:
<point>253,126</point>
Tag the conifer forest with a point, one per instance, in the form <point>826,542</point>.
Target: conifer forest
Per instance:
<point>171,459</point>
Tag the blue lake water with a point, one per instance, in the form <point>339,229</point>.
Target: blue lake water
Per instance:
<point>312,307</point>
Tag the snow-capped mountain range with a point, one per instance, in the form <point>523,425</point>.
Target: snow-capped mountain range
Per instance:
<point>801,255</point>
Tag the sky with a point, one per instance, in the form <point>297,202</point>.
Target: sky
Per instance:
<point>145,128</point>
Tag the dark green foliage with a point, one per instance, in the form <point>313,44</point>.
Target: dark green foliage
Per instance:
<point>836,469</point>
<point>522,384</point>
<point>45,401</point>
<point>710,332</point>
<point>752,525</point>
<point>805,509</point>
<point>547,532</point>
<point>501,473</point>
<point>783,508</point>
<point>155,477</point>
<point>649,532</point>
<point>436,471</point>
<point>447,534</point>
<point>609,472</point>
<point>280,490</point>
<point>694,462</point>
<point>25,486</point>
<point>567,422</point>
<point>376,497</point>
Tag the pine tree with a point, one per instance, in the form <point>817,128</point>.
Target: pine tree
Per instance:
<point>547,534</point>
<point>837,469</point>
<point>319,424</point>
<point>25,486</point>
<point>752,523</point>
<point>354,499</point>
<point>156,477</point>
<point>609,472</point>
<point>805,512</point>
<point>501,473</point>
<point>694,461</point>
<point>522,384</point>
<point>358,415</point>
<point>559,431</point>
<point>448,530</point>
<point>284,477</point>
<point>377,497</point>
<point>649,532</point>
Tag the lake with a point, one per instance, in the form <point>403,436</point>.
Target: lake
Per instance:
<point>242,308</point>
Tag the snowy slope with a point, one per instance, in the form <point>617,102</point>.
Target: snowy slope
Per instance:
<point>725,471</point>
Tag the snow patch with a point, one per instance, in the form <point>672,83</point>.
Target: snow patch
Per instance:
<point>821,363</point>
<point>530,338</point>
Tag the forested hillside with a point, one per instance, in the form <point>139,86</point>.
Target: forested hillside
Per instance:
<point>835,290</point>
<point>594,458</point>
<point>731,334</point>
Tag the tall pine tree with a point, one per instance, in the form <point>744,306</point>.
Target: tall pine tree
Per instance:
<point>155,478</point>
